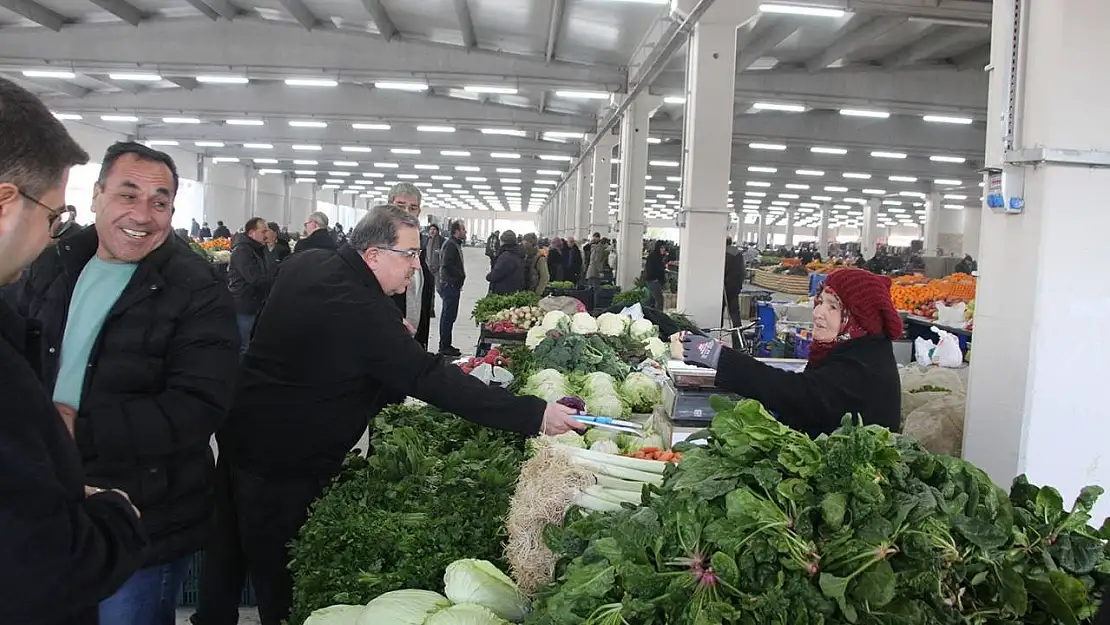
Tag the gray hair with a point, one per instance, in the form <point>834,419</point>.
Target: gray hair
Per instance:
<point>405,188</point>
<point>320,218</point>
<point>380,226</point>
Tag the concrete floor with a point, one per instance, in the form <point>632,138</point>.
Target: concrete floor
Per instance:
<point>466,339</point>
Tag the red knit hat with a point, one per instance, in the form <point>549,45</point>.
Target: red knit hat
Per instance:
<point>866,297</point>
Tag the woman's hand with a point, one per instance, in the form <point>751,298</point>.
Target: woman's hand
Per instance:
<point>700,350</point>
<point>558,419</point>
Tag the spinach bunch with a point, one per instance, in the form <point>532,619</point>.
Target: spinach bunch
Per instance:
<point>579,353</point>
<point>765,525</point>
<point>434,489</point>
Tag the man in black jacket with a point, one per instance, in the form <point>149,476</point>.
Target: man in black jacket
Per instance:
<point>452,275</point>
<point>249,276</point>
<point>222,231</point>
<point>303,399</point>
<point>277,244</point>
<point>507,275</point>
<point>64,546</point>
<point>317,235</point>
<point>418,302</point>
<point>140,337</point>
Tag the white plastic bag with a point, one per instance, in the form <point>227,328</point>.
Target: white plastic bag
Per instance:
<point>492,376</point>
<point>951,316</point>
<point>948,352</point>
<point>923,350</point>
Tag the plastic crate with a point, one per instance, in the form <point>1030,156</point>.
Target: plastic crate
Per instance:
<point>188,594</point>
<point>802,340</point>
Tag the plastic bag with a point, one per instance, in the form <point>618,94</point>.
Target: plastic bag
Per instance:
<point>948,352</point>
<point>923,350</point>
<point>568,305</point>
<point>634,312</point>
<point>493,376</point>
<point>952,316</point>
<point>939,424</point>
<point>922,385</point>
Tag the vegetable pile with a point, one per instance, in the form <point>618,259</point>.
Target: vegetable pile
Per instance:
<point>436,489</point>
<point>493,357</point>
<point>514,320</point>
<point>765,525</point>
<point>492,304</point>
<point>582,343</point>
<point>599,392</point>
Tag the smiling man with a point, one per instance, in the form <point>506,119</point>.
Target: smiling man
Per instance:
<point>141,353</point>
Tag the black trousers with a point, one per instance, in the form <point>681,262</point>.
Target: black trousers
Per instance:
<point>225,566</point>
<point>268,513</point>
<point>732,303</point>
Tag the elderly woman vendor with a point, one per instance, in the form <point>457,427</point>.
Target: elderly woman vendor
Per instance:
<point>851,366</point>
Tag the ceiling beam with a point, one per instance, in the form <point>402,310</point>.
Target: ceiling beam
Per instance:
<point>775,32</point>
<point>934,40</point>
<point>554,28</point>
<point>381,19</point>
<point>466,24</point>
<point>122,9</point>
<point>974,59</point>
<point>859,31</point>
<point>971,10</point>
<point>35,12</point>
<point>661,30</point>
<point>300,12</point>
<point>225,8</point>
<point>58,86</point>
<point>204,9</point>
<point>187,84</point>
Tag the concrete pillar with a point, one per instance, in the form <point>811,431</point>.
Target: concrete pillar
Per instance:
<point>585,194</point>
<point>251,192</point>
<point>314,195</point>
<point>762,230</point>
<point>287,203</point>
<point>1032,407</point>
<point>869,229</point>
<point>602,177</point>
<point>973,219</point>
<point>571,211</point>
<point>790,227</point>
<point>633,173</point>
<point>932,223</point>
<point>740,219</point>
<point>823,230</point>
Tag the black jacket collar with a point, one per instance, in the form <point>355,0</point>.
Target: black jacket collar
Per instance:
<point>360,268</point>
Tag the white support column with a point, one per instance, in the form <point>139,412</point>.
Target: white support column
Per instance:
<point>790,226</point>
<point>932,223</point>
<point>1032,407</point>
<point>602,177</point>
<point>761,231</point>
<point>571,217</point>
<point>869,230</point>
<point>973,219</point>
<point>585,194</point>
<point>633,175</point>
<point>287,203</point>
<point>251,192</point>
<point>823,230</point>
<point>740,226</point>
<point>707,158</point>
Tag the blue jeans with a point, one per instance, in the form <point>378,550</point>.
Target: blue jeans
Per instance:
<point>450,295</point>
<point>246,324</point>
<point>149,597</point>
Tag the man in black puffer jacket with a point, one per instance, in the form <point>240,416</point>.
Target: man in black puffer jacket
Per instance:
<point>507,275</point>
<point>140,358</point>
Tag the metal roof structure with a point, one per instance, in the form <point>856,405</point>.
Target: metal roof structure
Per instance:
<point>484,102</point>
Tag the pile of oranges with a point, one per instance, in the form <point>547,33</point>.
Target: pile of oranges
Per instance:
<point>912,293</point>
<point>216,245</point>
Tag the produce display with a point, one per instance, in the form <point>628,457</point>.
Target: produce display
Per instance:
<point>919,295</point>
<point>514,320</point>
<point>764,525</point>
<point>492,304</point>
<point>216,245</point>
<point>493,358</point>
<point>561,284</point>
<point>598,393</point>
<point>637,295</point>
<point>581,343</point>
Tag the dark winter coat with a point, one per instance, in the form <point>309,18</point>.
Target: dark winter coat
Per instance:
<point>734,270</point>
<point>857,377</point>
<point>654,269</point>
<point>507,275</point>
<point>280,250</point>
<point>304,398</point>
<point>320,239</point>
<point>556,269</point>
<point>249,275</point>
<point>222,232</point>
<point>573,260</point>
<point>158,384</point>
<point>452,270</point>
<point>62,552</point>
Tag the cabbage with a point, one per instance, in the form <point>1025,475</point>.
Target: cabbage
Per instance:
<point>641,392</point>
<point>400,607</point>
<point>594,435</point>
<point>583,323</point>
<point>606,446</point>
<point>551,320</point>
<point>643,329</point>
<point>571,439</point>
<point>599,382</point>
<point>536,335</point>
<point>607,405</point>
<point>464,614</point>
<point>659,350</point>
<point>631,444</point>
<point>480,582</point>
<point>611,324</point>
<point>548,384</point>
<point>345,615</point>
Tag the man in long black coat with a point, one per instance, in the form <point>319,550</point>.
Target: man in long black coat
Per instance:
<point>407,196</point>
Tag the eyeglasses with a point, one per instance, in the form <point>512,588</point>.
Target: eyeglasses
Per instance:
<point>412,254</point>
<point>59,220</point>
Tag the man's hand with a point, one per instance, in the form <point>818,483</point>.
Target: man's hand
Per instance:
<point>700,350</point>
<point>94,490</point>
<point>558,419</point>
<point>408,326</point>
<point>69,416</point>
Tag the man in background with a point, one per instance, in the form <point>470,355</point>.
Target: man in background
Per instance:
<point>452,275</point>
<point>417,303</point>
<point>64,546</point>
<point>205,232</point>
<point>317,236</point>
<point>222,231</point>
<point>249,276</point>
<point>434,253</point>
<point>277,244</point>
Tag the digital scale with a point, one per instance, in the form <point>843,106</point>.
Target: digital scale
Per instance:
<point>686,394</point>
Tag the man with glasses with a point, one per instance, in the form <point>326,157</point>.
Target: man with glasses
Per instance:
<point>418,301</point>
<point>317,235</point>
<point>141,353</point>
<point>304,398</point>
<point>64,545</point>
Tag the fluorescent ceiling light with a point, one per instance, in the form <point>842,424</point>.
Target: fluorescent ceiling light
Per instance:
<point>490,89</point>
<point>550,172</point>
<point>948,182</point>
<point>355,148</point>
<point>788,196</point>
<point>46,73</point>
<point>654,140</point>
<point>504,155</point>
<point>756,183</point>
<point>300,180</point>
<point>809,172</point>
<point>269,171</point>
<point>442,178</point>
<point>773,106</point>
<point>304,172</point>
<point>662,163</point>
<point>564,134</point>
<point>120,118</point>
<point>454,153</point>
<point>405,150</point>
<point>583,95</point>
<point>161,142</point>
<point>767,146</point>
<point>386,165</point>
<point>136,77</point>
<point>508,170</point>
<point>372,174</point>
<point>225,159</point>
<point>209,144</point>
<point>67,116</point>
<point>911,194</point>
<point>504,131</point>
<point>266,161</point>
<point>307,148</point>
<point>958,207</point>
<point>180,120</point>
<point>947,159</point>
<point>305,162</point>
<point>947,119</point>
<point>311,82</point>
<point>435,129</point>
<point>836,189</point>
<point>857,176</point>
<point>344,163</point>
<point>674,99</point>
<point>798,187</point>
<point>467,168</point>
<point>245,122</point>
<point>426,167</point>
<point>754,194</point>
<point>955,196</point>
<point>258,146</point>
<point>874,191</point>
<point>223,80</point>
<point>402,86</point>
<point>370,126</point>
<point>892,202</point>
<point>902,178</point>
<point>556,157</point>
<point>304,123</point>
<point>763,170</point>
<point>408,176</point>
<point>879,154</point>
<point>823,150</point>
<point>864,113</point>
<point>821,198</point>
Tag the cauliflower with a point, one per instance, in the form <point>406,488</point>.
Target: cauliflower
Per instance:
<point>657,348</point>
<point>536,335</point>
<point>611,324</point>
<point>551,320</point>
<point>583,323</point>
<point>642,329</point>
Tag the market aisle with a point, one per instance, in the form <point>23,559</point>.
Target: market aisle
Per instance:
<point>476,287</point>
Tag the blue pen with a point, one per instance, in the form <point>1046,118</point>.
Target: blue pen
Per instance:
<point>608,421</point>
